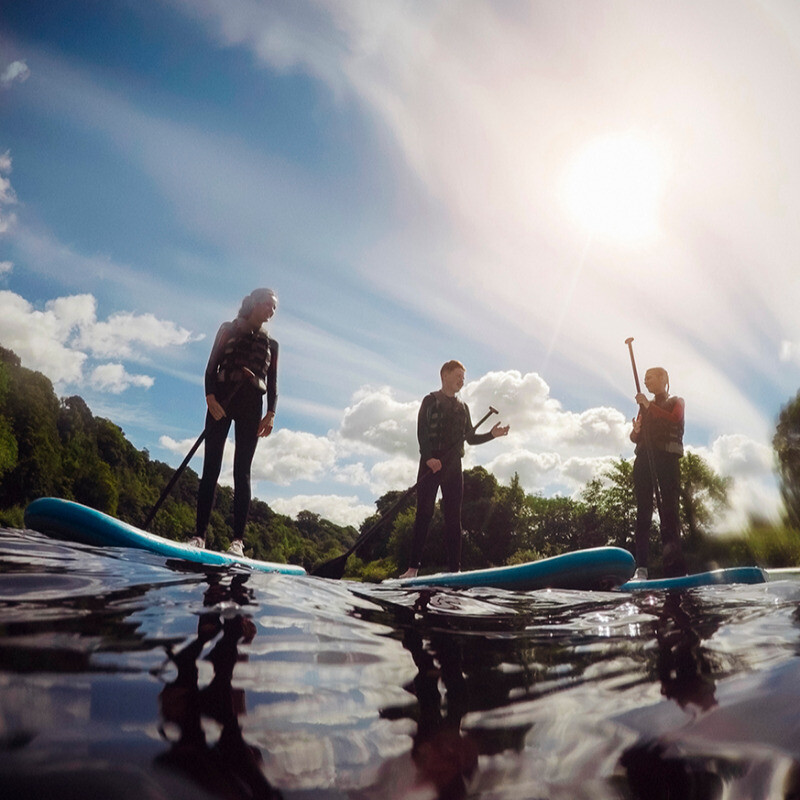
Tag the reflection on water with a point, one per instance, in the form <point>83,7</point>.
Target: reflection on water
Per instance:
<point>122,675</point>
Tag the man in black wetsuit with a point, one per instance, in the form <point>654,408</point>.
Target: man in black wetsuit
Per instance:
<point>242,368</point>
<point>443,425</point>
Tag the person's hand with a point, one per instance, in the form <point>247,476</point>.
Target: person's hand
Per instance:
<point>434,465</point>
<point>641,399</point>
<point>637,424</point>
<point>500,430</point>
<point>266,424</point>
<point>214,408</point>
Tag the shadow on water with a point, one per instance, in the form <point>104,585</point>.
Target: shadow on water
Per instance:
<point>122,675</point>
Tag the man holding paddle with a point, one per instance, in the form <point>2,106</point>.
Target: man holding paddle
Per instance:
<point>443,425</point>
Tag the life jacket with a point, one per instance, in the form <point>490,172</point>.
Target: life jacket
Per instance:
<point>663,434</point>
<point>250,349</point>
<point>447,424</point>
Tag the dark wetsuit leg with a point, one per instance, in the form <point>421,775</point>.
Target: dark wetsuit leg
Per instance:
<point>216,433</point>
<point>247,419</point>
<point>643,489</point>
<point>427,487</point>
<point>669,481</point>
<point>452,482</point>
<point>244,410</point>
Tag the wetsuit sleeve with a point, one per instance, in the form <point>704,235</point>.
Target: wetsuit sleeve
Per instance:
<point>470,436</point>
<point>223,334</point>
<point>423,427</point>
<point>634,437</point>
<point>674,414</point>
<point>272,377</point>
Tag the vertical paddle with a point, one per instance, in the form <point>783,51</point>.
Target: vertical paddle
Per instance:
<point>650,460</point>
<point>335,567</point>
<point>249,374</point>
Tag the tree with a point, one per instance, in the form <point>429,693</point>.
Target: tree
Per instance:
<point>704,494</point>
<point>612,504</point>
<point>786,444</point>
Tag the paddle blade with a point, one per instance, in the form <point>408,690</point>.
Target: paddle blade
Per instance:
<point>333,568</point>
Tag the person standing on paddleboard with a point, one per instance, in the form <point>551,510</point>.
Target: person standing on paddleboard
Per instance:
<point>658,435</point>
<point>443,425</point>
<point>242,368</point>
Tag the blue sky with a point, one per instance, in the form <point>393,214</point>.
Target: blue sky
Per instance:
<point>519,185</point>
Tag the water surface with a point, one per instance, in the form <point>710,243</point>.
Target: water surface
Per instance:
<point>126,675</point>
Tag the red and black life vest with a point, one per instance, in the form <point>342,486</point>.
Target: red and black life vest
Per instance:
<point>662,433</point>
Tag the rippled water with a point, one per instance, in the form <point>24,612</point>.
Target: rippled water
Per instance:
<point>122,675</point>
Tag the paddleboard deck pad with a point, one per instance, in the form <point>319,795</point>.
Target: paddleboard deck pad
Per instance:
<point>599,568</point>
<point>64,519</point>
<point>714,578</point>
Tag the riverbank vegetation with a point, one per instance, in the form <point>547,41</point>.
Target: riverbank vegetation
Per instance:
<point>57,447</point>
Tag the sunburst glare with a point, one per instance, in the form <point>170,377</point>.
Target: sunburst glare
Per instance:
<point>613,187</point>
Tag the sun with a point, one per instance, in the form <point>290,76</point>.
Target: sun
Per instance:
<point>614,186</point>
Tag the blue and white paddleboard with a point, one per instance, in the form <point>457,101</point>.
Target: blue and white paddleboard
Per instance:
<point>713,578</point>
<point>594,568</point>
<point>64,519</point>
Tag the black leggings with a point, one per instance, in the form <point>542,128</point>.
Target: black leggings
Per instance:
<point>451,480</point>
<point>668,474</point>
<point>245,411</point>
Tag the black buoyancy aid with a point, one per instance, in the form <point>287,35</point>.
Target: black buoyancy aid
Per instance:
<point>447,422</point>
<point>664,434</point>
<point>249,349</point>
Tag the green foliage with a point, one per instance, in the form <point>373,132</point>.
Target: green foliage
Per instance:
<point>704,495</point>
<point>786,443</point>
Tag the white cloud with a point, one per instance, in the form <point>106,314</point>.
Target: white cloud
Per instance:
<point>114,337</point>
<point>7,195</point>
<point>115,379</point>
<point>15,71</point>
<point>6,267</point>
<point>336,508</point>
<point>37,337</point>
<point>59,340</point>
<point>741,456</point>
<point>288,456</point>
<point>376,419</point>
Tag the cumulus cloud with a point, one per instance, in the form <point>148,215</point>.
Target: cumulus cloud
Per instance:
<point>337,508</point>
<point>115,379</point>
<point>377,420</point>
<point>114,337</point>
<point>59,340</point>
<point>15,71</point>
<point>741,456</point>
<point>288,456</point>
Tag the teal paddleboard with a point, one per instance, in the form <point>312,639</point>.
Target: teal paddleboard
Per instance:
<point>74,522</point>
<point>594,568</point>
<point>714,578</point>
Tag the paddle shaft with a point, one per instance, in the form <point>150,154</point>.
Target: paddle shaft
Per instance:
<point>335,567</point>
<point>650,459</point>
<point>179,471</point>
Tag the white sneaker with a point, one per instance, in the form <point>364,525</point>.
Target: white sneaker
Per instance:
<point>197,542</point>
<point>640,574</point>
<point>236,548</point>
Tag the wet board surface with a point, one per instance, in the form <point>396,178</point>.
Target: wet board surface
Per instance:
<point>64,519</point>
<point>594,568</point>
<point>714,578</point>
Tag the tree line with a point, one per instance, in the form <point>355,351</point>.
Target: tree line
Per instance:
<point>57,447</point>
